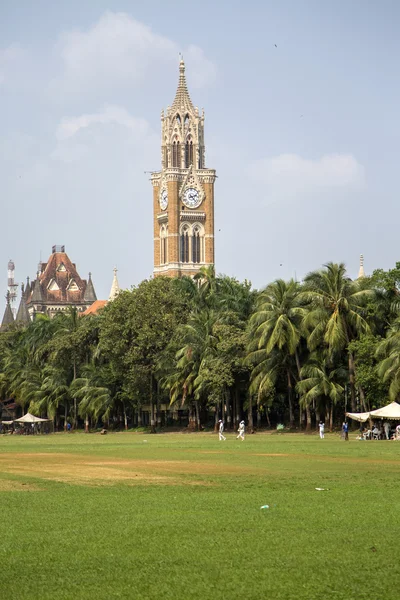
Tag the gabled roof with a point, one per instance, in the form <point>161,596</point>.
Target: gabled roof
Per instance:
<point>59,282</point>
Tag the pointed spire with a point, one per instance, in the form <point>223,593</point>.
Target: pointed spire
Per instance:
<point>23,313</point>
<point>37,295</point>
<point>90,294</point>
<point>8,317</point>
<point>361,272</point>
<point>182,102</point>
<point>115,289</point>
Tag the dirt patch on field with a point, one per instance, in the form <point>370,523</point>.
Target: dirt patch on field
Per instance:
<point>8,485</point>
<point>75,469</point>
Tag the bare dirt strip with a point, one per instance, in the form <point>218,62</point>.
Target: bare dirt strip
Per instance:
<point>70,468</point>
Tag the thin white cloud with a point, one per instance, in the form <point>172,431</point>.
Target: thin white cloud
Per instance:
<point>289,174</point>
<point>9,58</point>
<point>121,51</point>
<point>69,126</point>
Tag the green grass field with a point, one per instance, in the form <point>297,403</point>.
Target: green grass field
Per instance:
<point>177,516</point>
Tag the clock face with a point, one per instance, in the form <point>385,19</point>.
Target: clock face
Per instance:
<point>163,199</point>
<point>191,198</point>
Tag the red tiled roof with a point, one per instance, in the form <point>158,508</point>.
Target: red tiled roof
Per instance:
<point>95,307</point>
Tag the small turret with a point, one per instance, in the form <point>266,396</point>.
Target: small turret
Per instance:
<point>8,317</point>
<point>90,294</point>
<point>115,289</point>
<point>23,313</point>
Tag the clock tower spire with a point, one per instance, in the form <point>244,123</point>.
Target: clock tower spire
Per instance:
<point>183,191</point>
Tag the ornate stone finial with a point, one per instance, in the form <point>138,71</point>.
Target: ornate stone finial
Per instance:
<point>361,272</point>
<point>22,288</point>
<point>182,102</point>
<point>8,297</point>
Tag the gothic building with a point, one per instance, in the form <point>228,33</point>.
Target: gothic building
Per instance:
<point>57,286</point>
<point>183,191</point>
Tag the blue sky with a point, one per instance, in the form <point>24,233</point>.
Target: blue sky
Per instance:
<point>304,136</point>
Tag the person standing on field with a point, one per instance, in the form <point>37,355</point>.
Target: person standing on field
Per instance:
<point>241,431</point>
<point>321,430</point>
<point>221,431</point>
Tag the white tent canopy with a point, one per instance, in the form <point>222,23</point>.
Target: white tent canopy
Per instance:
<point>391,411</point>
<point>362,417</point>
<point>28,418</point>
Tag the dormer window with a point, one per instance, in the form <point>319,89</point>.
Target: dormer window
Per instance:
<point>53,287</point>
<point>61,268</point>
<point>72,286</point>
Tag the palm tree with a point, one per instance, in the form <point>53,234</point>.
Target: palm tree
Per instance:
<point>320,382</point>
<point>388,352</point>
<point>337,313</point>
<point>197,346</point>
<point>54,391</point>
<point>275,327</point>
<point>95,396</point>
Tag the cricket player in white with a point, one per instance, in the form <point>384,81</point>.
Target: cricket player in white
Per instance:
<point>241,431</point>
<point>221,431</point>
<point>322,430</point>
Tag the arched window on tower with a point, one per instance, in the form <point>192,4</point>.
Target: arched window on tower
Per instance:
<point>197,244</point>
<point>184,244</point>
<point>188,152</point>
<point>176,154</point>
<point>163,245</point>
<point>187,121</point>
<point>178,119</point>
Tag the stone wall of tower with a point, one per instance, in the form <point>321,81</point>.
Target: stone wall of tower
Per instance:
<point>156,210</point>
<point>209,224</point>
<point>173,221</point>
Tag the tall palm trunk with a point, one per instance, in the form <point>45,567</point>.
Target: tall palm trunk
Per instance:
<point>308,418</point>
<point>152,420</point>
<point>250,414</point>
<point>228,410</point>
<point>125,417</point>
<point>237,405</point>
<point>198,424</point>
<point>362,400</point>
<point>352,382</point>
<point>216,417</point>
<point>75,401</point>
<point>290,398</point>
<point>331,418</point>
<point>258,412</point>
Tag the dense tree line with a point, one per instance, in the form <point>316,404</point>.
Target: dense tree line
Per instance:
<point>188,351</point>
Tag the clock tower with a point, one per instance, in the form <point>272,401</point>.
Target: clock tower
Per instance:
<point>183,191</point>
